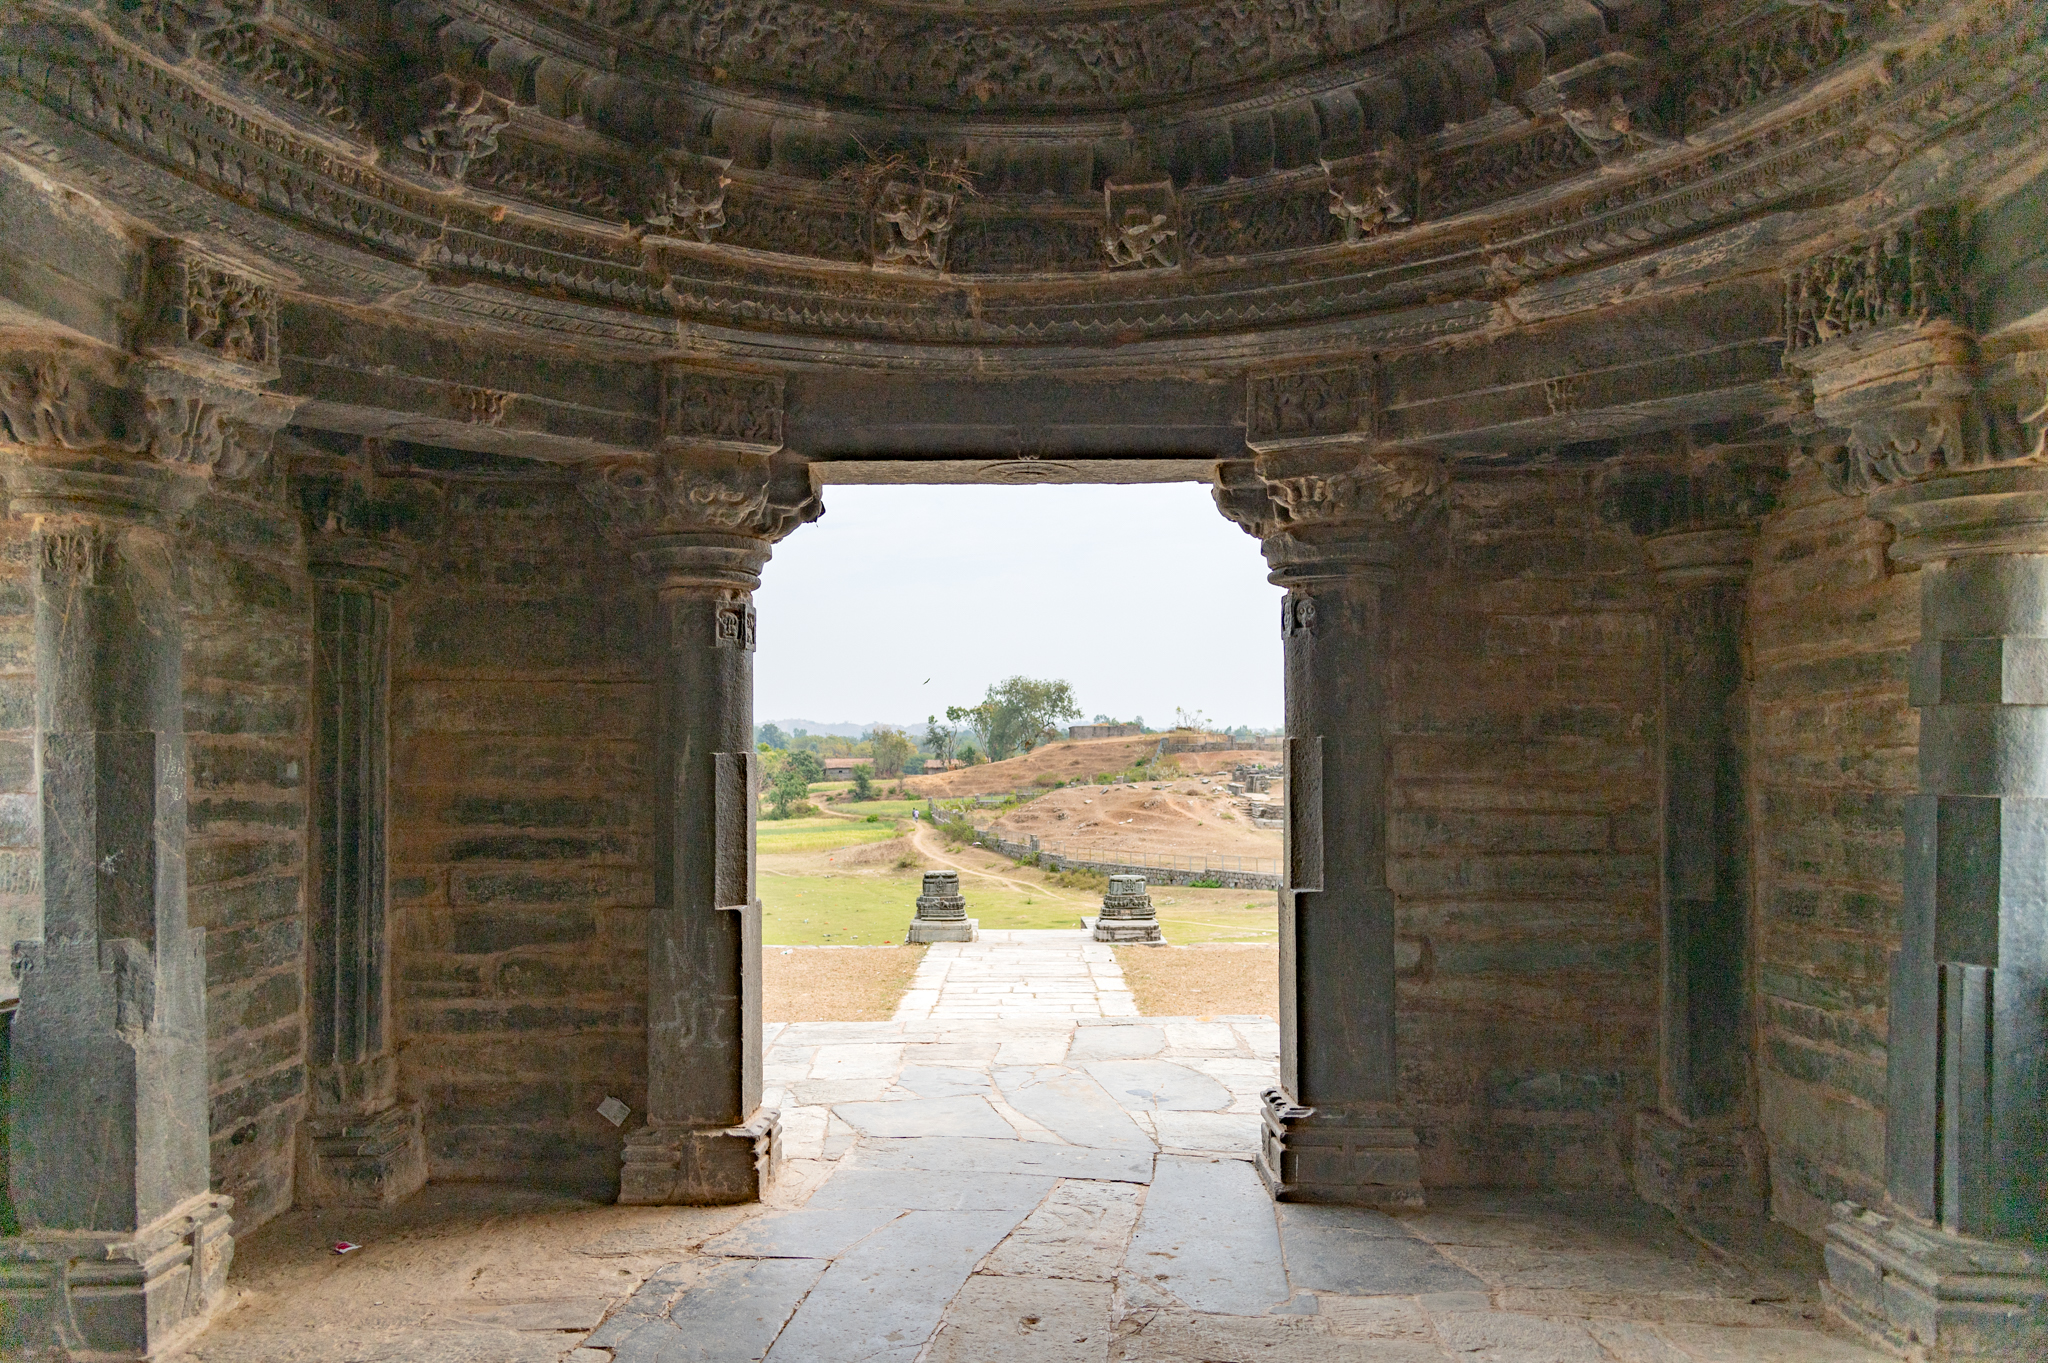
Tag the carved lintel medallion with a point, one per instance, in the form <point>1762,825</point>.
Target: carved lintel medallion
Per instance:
<point>721,409</point>
<point>689,196</point>
<point>452,121</point>
<point>1605,101</point>
<point>1372,191</point>
<point>207,312</point>
<point>1142,226</point>
<point>913,221</point>
<point>1906,276</point>
<point>1306,406</point>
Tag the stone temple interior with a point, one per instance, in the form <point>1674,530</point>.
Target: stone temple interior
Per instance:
<point>1643,403</point>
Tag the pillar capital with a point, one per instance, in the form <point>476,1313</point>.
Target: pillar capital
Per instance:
<point>1325,512</point>
<point>105,436</point>
<point>703,516</point>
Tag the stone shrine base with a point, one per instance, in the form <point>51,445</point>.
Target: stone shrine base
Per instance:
<point>1017,1191</point>
<point>1126,931</point>
<point>923,930</point>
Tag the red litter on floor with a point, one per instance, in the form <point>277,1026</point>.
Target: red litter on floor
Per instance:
<point>344,1247</point>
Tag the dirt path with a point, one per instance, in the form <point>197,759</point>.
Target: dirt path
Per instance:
<point>924,840</point>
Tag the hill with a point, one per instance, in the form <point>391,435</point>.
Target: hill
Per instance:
<point>1068,760</point>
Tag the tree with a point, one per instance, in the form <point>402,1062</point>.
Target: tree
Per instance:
<point>940,738</point>
<point>771,736</point>
<point>1018,712</point>
<point>863,785</point>
<point>892,749</point>
<point>806,764</point>
<point>790,789</point>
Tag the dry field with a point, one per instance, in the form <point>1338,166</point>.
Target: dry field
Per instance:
<point>1182,816</point>
<point>835,984</point>
<point>1203,981</point>
<point>1067,761</point>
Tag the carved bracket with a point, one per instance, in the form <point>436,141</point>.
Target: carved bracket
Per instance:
<point>735,493</point>
<point>68,402</point>
<point>1141,228</point>
<point>1605,101</point>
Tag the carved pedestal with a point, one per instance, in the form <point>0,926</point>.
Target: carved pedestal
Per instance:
<point>942,911</point>
<point>1127,915</point>
<point>360,1146</point>
<point>123,1252</point>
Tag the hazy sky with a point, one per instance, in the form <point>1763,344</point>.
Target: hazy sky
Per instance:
<point>1143,597</point>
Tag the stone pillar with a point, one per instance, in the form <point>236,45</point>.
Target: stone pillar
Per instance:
<point>1955,1265</point>
<point>700,525</point>
<point>359,1145</point>
<point>123,1252</point>
<point>942,911</point>
<point>1700,1151</point>
<point>1329,524</point>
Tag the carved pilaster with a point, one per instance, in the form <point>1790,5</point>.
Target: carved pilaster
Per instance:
<point>359,1145</point>
<point>1700,1150</point>
<point>1333,524</point>
<point>700,521</point>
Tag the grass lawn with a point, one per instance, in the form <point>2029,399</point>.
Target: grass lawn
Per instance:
<point>863,908</point>
<point>819,834</point>
<point>885,809</point>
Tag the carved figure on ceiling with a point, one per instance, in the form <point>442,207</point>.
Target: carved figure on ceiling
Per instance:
<point>913,222</point>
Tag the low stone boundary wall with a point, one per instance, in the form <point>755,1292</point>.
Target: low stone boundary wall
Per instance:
<point>1154,875</point>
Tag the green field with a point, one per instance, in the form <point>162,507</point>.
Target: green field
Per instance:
<point>822,833</point>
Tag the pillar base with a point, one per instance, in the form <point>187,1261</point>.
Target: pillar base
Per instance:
<point>1354,1161</point>
<point>1126,931</point>
<point>112,1295</point>
<point>374,1161</point>
<point>1689,1169</point>
<point>943,930</point>
<point>1925,1294</point>
<point>668,1166</point>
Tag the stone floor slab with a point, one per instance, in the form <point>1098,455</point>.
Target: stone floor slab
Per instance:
<point>1155,1085</point>
<point>1362,1253</point>
<point>1026,1320</point>
<point>883,1300</point>
<point>1224,1132</point>
<point>1509,1337</point>
<point>731,1316</point>
<point>966,1116</point>
<point>808,1233</point>
<point>1208,1236</point>
<point>1071,1105</point>
<point>1081,1231</point>
<point>943,1155</point>
<point>913,1190</point>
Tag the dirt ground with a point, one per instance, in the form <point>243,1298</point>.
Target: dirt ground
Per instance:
<point>1066,761</point>
<point>1203,981</point>
<point>1182,816</point>
<point>835,984</point>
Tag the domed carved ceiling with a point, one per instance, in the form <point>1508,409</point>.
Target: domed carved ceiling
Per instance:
<point>1021,173</point>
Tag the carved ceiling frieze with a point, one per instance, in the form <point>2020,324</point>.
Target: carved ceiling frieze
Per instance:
<point>1223,239</point>
<point>1024,58</point>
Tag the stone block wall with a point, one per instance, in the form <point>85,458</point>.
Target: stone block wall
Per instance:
<point>1523,842</point>
<point>1834,756</point>
<point>521,837</point>
<point>248,655</point>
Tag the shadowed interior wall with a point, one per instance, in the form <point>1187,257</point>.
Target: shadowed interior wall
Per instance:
<point>1524,838</point>
<point>521,837</point>
<point>1835,756</point>
<point>248,630</point>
